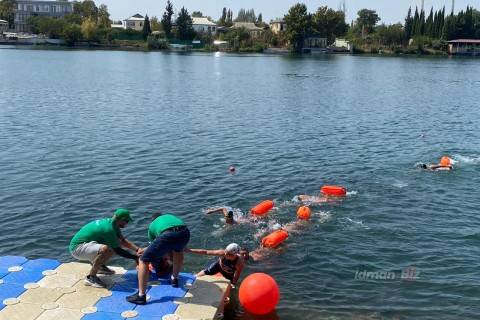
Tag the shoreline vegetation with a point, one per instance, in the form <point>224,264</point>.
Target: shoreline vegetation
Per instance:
<point>90,26</point>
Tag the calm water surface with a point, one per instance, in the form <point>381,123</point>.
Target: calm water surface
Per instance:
<point>85,132</point>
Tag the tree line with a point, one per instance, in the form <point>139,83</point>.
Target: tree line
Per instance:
<point>91,23</point>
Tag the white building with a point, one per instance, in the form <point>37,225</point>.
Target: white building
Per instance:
<point>27,8</point>
<point>134,22</point>
<point>204,25</point>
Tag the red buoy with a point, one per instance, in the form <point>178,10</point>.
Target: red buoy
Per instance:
<point>333,190</point>
<point>232,169</point>
<point>259,293</point>
<point>262,208</point>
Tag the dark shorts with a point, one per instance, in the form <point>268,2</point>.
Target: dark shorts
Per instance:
<point>215,268</point>
<point>174,239</point>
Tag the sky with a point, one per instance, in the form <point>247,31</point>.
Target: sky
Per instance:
<point>389,11</point>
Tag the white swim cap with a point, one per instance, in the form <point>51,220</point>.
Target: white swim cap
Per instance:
<point>233,248</point>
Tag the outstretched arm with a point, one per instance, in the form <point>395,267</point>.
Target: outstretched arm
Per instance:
<point>206,252</point>
<point>215,210</point>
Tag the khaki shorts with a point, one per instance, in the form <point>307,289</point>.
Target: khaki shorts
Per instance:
<point>86,251</point>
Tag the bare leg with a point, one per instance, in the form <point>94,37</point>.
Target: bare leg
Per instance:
<point>177,263</point>
<point>143,274</point>
<point>200,274</point>
<point>104,255</point>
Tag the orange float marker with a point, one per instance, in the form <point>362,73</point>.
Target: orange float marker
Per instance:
<point>333,190</point>
<point>262,208</point>
<point>275,238</point>
<point>445,161</point>
<point>303,212</point>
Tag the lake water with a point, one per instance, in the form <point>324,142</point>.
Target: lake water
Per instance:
<point>85,132</point>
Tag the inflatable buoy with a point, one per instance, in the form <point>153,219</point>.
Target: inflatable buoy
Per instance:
<point>262,208</point>
<point>303,212</point>
<point>275,238</point>
<point>259,293</point>
<point>445,161</point>
<point>333,190</point>
<point>232,169</point>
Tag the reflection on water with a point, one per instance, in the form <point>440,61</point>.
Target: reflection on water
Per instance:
<point>86,132</point>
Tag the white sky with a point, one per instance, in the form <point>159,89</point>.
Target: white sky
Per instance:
<point>390,11</point>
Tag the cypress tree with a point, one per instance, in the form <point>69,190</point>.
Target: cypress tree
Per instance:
<point>146,30</point>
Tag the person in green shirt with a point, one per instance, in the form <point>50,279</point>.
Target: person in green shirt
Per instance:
<point>166,233</point>
<point>98,241</point>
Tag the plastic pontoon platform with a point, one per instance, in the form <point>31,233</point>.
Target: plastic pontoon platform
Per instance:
<point>46,289</point>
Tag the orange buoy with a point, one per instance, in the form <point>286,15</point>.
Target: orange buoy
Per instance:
<point>303,212</point>
<point>275,238</point>
<point>445,161</point>
<point>259,293</point>
<point>333,190</point>
<point>262,208</point>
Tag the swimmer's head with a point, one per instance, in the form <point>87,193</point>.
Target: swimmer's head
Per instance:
<point>229,217</point>
<point>424,166</point>
<point>245,253</point>
<point>233,248</point>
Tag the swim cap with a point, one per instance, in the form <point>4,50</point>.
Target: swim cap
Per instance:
<point>303,212</point>
<point>233,248</point>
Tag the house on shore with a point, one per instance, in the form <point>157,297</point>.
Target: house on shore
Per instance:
<point>250,26</point>
<point>315,43</point>
<point>341,46</point>
<point>204,25</point>
<point>27,8</point>
<point>467,47</point>
<point>277,26</point>
<point>3,25</point>
<point>134,22</point>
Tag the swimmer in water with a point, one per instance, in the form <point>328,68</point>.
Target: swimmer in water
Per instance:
<point>227,213</point>
<point>230,264</point>
<point>445,164</point>
<point>306,199</point>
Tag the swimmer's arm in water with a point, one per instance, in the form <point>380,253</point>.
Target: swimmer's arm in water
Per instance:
<point>216,210</point>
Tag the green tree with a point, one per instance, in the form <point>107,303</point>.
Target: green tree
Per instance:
<point>408,25</point>
<point>197,14</point>
<point>184,25</point>
<point>103,17</point>
<point>298,22</point>
<point>367,20</point>
<point>389,35</point>
<point>71,34</point>
<point>167,20</point>
<point>6,11</point>
<point>450,28</point>
<point>146,30</point>
<point>223,19</point>
<point>52,28</point>
<point>237,38</point>
<point>86,9</point>
<point>89,29</point>
<point>241,16</point>
<point>260,18</point>
<point>155,24</point>
<point>329,23</point>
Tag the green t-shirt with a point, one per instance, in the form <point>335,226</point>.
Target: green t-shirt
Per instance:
<point>102,231</point>
<point>162,223</point>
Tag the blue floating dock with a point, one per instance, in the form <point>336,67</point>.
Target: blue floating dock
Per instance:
<point>45,289</point>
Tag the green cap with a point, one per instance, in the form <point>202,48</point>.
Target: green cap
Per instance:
<point>123,214</point>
